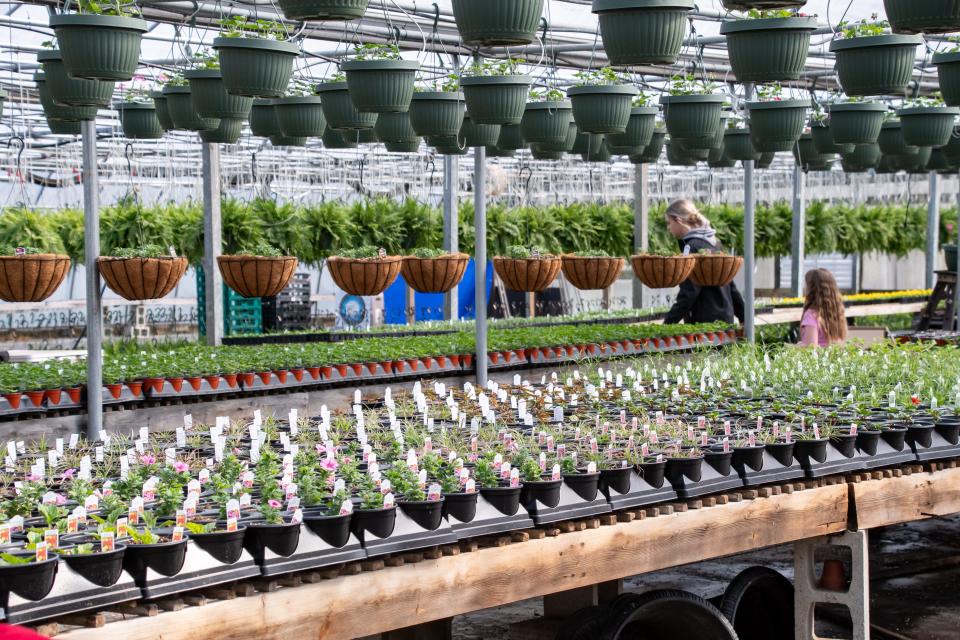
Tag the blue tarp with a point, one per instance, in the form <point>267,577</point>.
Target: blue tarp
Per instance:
<point>429,306</point>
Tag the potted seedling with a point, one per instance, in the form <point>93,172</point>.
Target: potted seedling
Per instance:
<point>258,272</point>
<point>591,269</point>
<point>28,573</point>
<point>768,45</point>
<point>299,113</point>
<point>423,505</point>
<point>366,271</point>
<point>927,122</point>
<point>504,495</point>
<point>208,92</point>
<point>254,60</point>
<point>775,123</point>
<point>379,80</point>
<point>528,269</point>
<point>640,128</point>
<point>434,270</point>
<point>538,485</point>
<point>856,121</point>
<point>692,112</point>
<point>870,61</point>
<point>663,270</point>
<point>32,274</point>
<point>67,90</point>
<point>495,93</point>
<point>142,273</point>
<point>439,110</point>
<point>100,41</point>
<point>601,101</point>
<point>546,120</point>
<point>377,511</point>
<point>642,31</point>
<point>339,109</point>
<point>497,22</point>
<point>323,9</point>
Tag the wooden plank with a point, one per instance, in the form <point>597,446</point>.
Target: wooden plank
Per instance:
<point>909,497</point>
<point>375,602</point>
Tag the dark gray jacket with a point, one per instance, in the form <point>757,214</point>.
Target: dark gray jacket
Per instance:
<point>704,304</point>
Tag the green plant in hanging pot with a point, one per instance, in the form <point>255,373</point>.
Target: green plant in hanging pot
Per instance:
<point>768,46</point>
<point>258,271</point>
<point>138,119</point>
<point>449,145</point>
<point>254,60</point>
<point>100,41</point>
<point>678,156</point>
<point>948,73</point>
<point>339,139</point>
<point>642,31</point>
<point>601,101</point>
<point>323,9</point>
<point>338,107</point>
<point>823,138</point>
<point>263,118</point>
<point>395,128</point>
<point>747,5</point>
<point>433,270</point>
<point>63,127</point>
<point>379,80</point>
<point>927,16</point>
<point>511,138</point>
<point>60,113</point>
<point>497,22</point>
<point>438,111</point>
<point>32,274</point>
<point>540,154</point>
<point>891,139</point>
<point>691,111</point>
<point>365,271</point>
<point>652,152</point>
<point>776,124</point>
<point>69,91</point>
<point>479,135</point>
<point>640,127</point>
<point>181,109</point>
<point>528,269</point>
<point>927,122</point>
<point>597,148</point>
<point>807,156</point>
<point>872,62</point>
<point>738,145</point>
<point>145,272</point>
<point>546,120</point>
<point>228,131</point>
<point>862,158</point>
<point>300,114</point>
<point>208,92</point>
<point>940,163</point>
<point>162,112</point>
<point>495,92</point>
<point>856,122</point>
<point>280,140</point>
<point>591,269</point>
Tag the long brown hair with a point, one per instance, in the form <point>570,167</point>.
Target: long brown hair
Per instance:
<point>823,296</point>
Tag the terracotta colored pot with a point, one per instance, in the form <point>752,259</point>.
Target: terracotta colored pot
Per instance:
<point>591,273</point>
<point>715,270</point>
<point>136,388</point>
<point>13,399</point>
<point>527,274</point>
<point>341,369</point>
<point>372,368</point>
<point>357,368</point>
<point>663,272</point>
<point>115,390</point>
<point>256,276</point>
<point>467,359</point>
<point>455,359</point>
<point>366,276</point>
<point>434,275</point>
<point>31,278</point>
<point>297,374</point>
<point>326,372</point>
<point>195,382</point>
<point>52,396</point>
<point>314,372</point>
<point>282,375</point>
<point>75,393</point>
<point>176,383</point>
<point>441,361</point>
<point>142,278</point>
<point>231,379</point>
<point>266,377</point>
<point>36,397</point>
<point>153,384</point>
<point>387,366</point>
<point>213,381</point>
<point>413,363</point>
<point>494,357</point>
<point>247,379</point>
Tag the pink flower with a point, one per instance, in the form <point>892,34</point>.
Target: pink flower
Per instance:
<point>32,477</point>
<point>180,466</point>
<point>61,499</point>
<point>147,459</point>
<point>330,464</point>
<point>274,504</point>
<point>68,474</point>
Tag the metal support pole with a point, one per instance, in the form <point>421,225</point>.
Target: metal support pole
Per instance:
<point>956,289</point>
<point>933,229</point>
<point>798,250</point>
<point>480,257</point>
<point>212,243</point>
<point>91,230</point>
<point>749,215</point>
<point>451,227</point>
<point>641,223</point>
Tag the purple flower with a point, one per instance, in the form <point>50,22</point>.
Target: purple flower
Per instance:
<point>68,474</point>
<point>330,464</point>
<point>274,504</point>
<point>147,459</point>
<point>181,467</point>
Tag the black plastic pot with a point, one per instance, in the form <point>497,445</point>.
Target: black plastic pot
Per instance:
<point>781,451</point>
<point>845,443</point>
<point>546,492</point>
<point>920,435</point>
<point>166,558</point>
<point>379,522</point>
<point>810,451</point>
<point>867,441</point>
<point>616,479</point>
<point>282,539</point>
<point>426,513</point>
<point>102,569</point>
<point>894,436</point>
<point>462,506</point>
<point>332,529</point>
<point>225,546</point>
<point>679,468</point>
<point>506,500</point>
<point>719,460</point>
<point>33,580</point>
<point>748,457</point>
<point>653,473</point>
<point>585,485</point>
<point>949,431</point>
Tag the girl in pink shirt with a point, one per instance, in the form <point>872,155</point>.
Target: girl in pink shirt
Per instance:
<point>824,321</point>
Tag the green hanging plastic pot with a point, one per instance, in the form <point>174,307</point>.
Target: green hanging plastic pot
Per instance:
<point>720,135</point>
<point>913,161</point>
<point>497,152</point>
<point>496,99</point>
<point>766,160</point>
<point>449,145</point>
<point>263,118</point>
<point>333,139</point>
<point>256,67</point>
<point>746,5</point>
<point>952,150</point>
<point>939,162</point>
<point>639,132</point>
<point>497,22</point>
<point>823,142</point>
<point>891,140</point>
<point>602,108</point>
<point>323,9</point>
<point>287,141</point>
<point>182,112</point>
<point>948,72</point>
<point>479,135</point>
<point>300,116</point>
<point>403,147</point>
<point>923,16</point>
<point>928,126</point>
<point>210,97</point>
<point>547,123</point>
<point>719,159</point>
<point>69,91</point>
<point>875,65</point>
<point>54,111</point>
<point>63,127</point>
<point>678,157</point>
<point>769,49</point>
<point>862,158</point>
<point>381,86</point>
<point>699,154</point>
<point>162,112</point>
<point>227,132</point>
<point>365,136</point>
<point>437,113</point>
<point>642,31</point>
<point>777,125</point>
<point>510,138</point>
<point>807,156</point>
<point>339,108</point>
<point>563,146</point>
<point>99,47</point>
<point>651,153</point>
<point>693,119</point>
<point>540,154</point>
<point>395,128</point>
<point>739,146</point>
<point>599,150</point>
<point>856,122</point>
<point>139,120</point>
<point>584,143</point>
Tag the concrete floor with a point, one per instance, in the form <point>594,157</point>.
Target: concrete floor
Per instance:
<point>915,585</point>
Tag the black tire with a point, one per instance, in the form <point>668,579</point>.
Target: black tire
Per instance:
<point>759,604</point>
<point>667,614</point>
<point>585,624</point>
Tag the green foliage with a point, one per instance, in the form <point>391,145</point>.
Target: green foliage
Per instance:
<point>506,67</point>
<point>146,251</point>
<point>546,95</point>
<point>428,254</point>
<point>687,84</point>
<point>373,51</point>
<point>865,27</point>
<point>237,26</point>
<point>604,76</point>
<point>25,227</point>
<point>366,252</point>
<point>111,8</point>
<point>519,252</point>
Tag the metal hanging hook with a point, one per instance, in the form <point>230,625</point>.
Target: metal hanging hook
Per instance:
<point>21,146</point>
<point>127,153</point>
